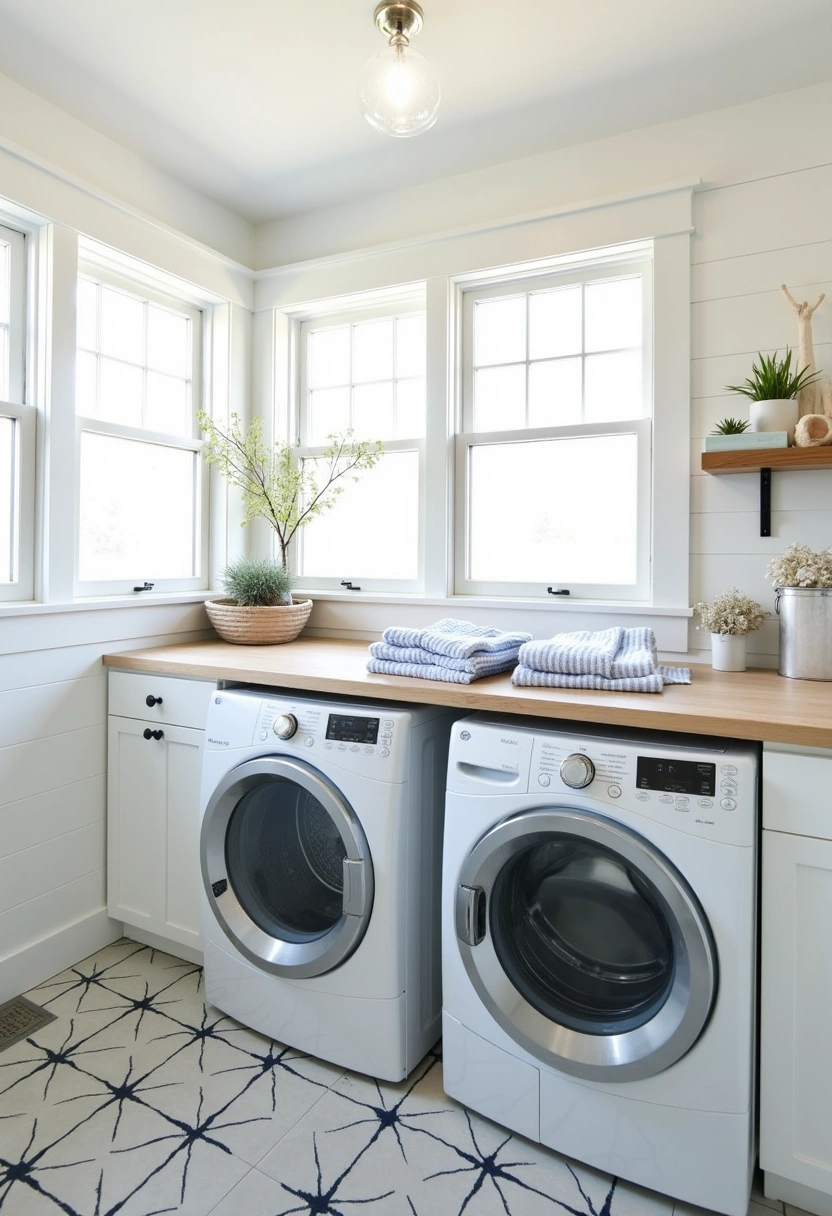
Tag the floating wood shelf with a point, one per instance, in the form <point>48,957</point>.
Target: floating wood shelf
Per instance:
<point>746,460</point>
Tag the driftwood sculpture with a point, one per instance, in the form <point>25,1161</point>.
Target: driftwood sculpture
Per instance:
<point>815,398</point>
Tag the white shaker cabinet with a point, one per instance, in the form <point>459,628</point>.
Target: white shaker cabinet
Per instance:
<point>156,734</point>
<point>796,999</point>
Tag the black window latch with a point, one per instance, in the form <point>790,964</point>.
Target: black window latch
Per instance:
<point>147,587</point>
<point>559,591</point>
<point>348,585</point>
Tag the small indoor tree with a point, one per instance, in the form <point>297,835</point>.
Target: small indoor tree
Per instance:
<point>288,493</point>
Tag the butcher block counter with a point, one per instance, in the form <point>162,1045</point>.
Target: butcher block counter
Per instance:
<point>754,704</point>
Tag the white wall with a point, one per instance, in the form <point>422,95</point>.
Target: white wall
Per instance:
<point>43,134</point>
<point>53,715</point>
<point>762,216</point>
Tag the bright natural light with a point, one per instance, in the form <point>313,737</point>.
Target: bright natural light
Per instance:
<point>5,307</point>
<point>368,377</point>
<point>556,509</point>
<point>373,532</point>
<point>559,356</point>
<point>7,490</point>
<point>138,504</point>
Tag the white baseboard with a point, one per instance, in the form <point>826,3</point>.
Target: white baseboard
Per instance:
<point>39,961</point>
<point>177,949</point>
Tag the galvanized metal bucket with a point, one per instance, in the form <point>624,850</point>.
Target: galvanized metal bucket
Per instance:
<point>805,632</point>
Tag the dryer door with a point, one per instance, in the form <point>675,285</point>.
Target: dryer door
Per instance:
<point>286,867</point>
<point>586,944</point>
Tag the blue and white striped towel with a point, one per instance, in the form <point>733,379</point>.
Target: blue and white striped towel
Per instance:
<point>477,666</point>
<point>455,639</point>
<point>583,653</point>
<point>529,678</point>
<point>426,671</point>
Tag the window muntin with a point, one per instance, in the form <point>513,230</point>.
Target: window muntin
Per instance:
<point>553,473</point>
<point>141,510</point>
<point>17,426</point>
<point>367,374</point>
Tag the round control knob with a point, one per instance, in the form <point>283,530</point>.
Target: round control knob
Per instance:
<point>285,726</point>
<point>577,771</point>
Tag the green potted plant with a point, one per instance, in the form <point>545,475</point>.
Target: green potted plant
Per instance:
<point>772,388</point>
<point>729,618</point>
<point>288,493</point>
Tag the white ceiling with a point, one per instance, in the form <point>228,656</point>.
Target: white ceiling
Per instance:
<point>254,102</point>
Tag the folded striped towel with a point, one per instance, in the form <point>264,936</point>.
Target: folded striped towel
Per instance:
<point>529,678</point>
<point>455,639</point>
<point>478,665</point>
<point>578,654</point>
<point>426,671</point>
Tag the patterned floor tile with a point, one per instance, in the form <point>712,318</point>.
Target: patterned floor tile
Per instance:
<point>140,1099</point>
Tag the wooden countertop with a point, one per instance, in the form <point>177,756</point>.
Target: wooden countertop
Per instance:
<point>754,704</point>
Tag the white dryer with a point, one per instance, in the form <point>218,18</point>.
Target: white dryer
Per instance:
<point>599,947</point>
<point>321,856</point>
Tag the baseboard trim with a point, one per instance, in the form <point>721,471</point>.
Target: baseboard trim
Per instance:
<point>177,949</point>
<point>41,960</point>
<point>797,1194</point>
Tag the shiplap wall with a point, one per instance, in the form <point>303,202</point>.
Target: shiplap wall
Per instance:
<point>751,237</point>
<point>53,730</point>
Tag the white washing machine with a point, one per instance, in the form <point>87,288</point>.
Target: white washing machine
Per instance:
<point>599,947</point>
<point>321,857</point>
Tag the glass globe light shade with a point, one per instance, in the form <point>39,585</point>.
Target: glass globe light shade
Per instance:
<point>399,91</point>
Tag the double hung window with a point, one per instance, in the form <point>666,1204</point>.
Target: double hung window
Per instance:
<point>553,457</point>
<point>17,425</point>
<point>141,509</point>
<point>365,374</point>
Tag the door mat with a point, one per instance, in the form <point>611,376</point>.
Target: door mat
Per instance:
<point>20,1018</point>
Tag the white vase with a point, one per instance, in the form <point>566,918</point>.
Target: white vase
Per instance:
<point>728,653</point>
<point>775,415</point>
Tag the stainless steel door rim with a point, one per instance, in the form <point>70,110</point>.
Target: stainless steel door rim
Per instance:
<point>312,955</point>
<point>641,1052</point>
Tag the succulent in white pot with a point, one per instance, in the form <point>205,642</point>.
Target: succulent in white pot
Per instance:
<point>729,618</point>
<point>772,389</point>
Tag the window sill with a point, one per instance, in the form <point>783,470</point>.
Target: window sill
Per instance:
<point>457,603</point>
<point>142,599</point>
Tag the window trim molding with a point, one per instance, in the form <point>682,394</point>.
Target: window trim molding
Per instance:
<point>146,288</point>
<point>20,409</point>
<point>520,245</point>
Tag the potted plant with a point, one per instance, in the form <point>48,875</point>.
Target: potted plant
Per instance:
<point>729,619</point>
<point>802,579</point>
<point>288,493</point>
<point>772,388</point>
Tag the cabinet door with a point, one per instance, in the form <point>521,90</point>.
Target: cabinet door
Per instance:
<point>796,1014</point>
<point>153,879</point>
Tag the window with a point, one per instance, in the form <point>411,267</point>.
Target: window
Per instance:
<point>366,374</point>
<point>553,458</point>
<point>17,425</point>
<point>141,513</point>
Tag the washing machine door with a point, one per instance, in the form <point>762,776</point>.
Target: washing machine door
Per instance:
<point>286,867</point>
<point>586,944</point>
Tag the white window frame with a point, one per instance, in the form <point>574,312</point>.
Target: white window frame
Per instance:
<point>520,282</point>
<point>21,411</point>
<point>303,325</point>
<point>85,425</point>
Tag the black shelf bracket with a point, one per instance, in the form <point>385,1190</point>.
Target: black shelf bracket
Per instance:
<point>765,502</point>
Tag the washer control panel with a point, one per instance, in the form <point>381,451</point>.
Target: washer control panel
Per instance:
<point>705,787</point>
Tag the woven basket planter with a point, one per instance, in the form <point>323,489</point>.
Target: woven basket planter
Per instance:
<point>264,626</point>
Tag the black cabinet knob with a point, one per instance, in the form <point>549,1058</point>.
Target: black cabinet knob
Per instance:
<point>150,701</point>
<point>152,734</point>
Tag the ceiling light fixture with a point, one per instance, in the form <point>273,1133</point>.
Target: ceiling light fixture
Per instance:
<point>399,89</point>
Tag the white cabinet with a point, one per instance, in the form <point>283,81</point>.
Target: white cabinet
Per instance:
<point>156,733</point>
<point>796,1009</point>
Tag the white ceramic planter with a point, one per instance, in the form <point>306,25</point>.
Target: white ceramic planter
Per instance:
<point>774,416</point>
<point>728,653</point>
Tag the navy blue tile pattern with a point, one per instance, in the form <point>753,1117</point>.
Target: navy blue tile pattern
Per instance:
<point>140,1100</point>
